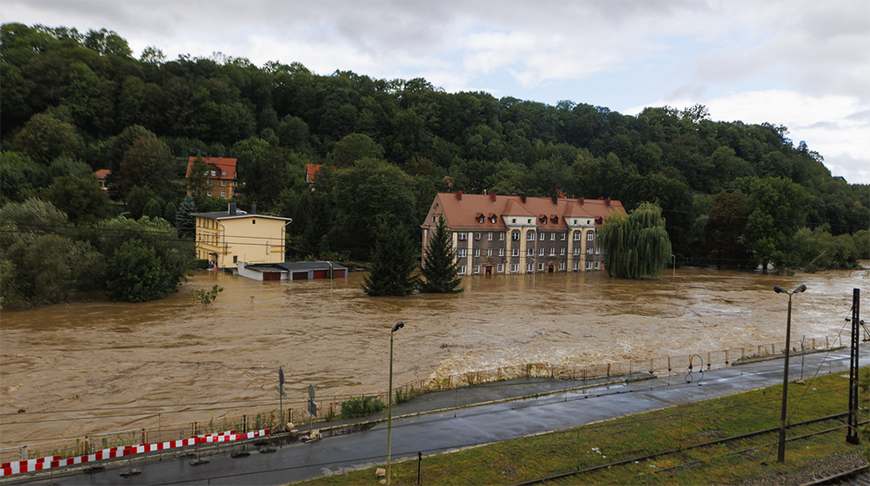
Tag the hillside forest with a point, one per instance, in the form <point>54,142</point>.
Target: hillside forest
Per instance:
<point>732,194</point>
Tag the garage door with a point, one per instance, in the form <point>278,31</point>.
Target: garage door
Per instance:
<point>271,276</point>
<point>320,274</point>
<point>300,275</point>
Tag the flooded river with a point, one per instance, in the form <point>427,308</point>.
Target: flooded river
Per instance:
<point>97,367</point>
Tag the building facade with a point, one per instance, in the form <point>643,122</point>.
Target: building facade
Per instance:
<point>516,234</point>
<point>225,238</point>
<point>222,177</point>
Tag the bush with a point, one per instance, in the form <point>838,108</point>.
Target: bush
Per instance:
<point>200,264</point>
<point>361,406</point>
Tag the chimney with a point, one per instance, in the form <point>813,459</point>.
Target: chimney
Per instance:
<point>492,196</point>
<point>607,202</point>
<point>232,209</point>
<point>253,209</point>
<point>581,200</point>
<point>555,200</point>
<point>523,197</point>
<point>459,195</point>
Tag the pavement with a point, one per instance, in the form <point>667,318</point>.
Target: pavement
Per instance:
<point>451,420</point>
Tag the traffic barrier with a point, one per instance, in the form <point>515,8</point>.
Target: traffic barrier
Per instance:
<point>44,463</point>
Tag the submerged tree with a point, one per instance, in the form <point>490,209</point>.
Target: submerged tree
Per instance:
<point>440,267</point>
<point>392,265</point>
<point>636,246</point>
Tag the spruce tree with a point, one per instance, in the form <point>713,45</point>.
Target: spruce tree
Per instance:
<point>392,265</point>
<point>185,223</point>
<point>440,267</point>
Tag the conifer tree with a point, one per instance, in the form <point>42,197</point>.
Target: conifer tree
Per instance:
<point>440,267</point>
<point>636,246</point>
<point>393,262</point>
<point>185,223</point>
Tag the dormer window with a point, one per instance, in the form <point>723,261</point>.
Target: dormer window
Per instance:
<point>224,173</point>
<point>479,217</point>
<point>214,173</point>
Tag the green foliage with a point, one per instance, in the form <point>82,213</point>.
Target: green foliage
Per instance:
<point>206,297</point>
<point>354,147</point>
<point>725,230</point>
<point>636,246</point>
<point>169,213</point>
<point>148,163</point>
<point>185,222</point>
<point>361,406</point>
<point>19,177</point>
<point>440,265</point>
<point>393,264</point>
<point>135,274</point>
<point>197,180</point>
<point>44,138</point>
<point>81,199</point>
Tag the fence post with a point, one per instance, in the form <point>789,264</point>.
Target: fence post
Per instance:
<point>608,370</point>
<point>742,352</point>
<point>708,360</point>
<point>24,452</point>
<point>651,369</point>
<point>726,357</point>
<point>827,344</point>
<point>244,424</point>
<point>669,364</point>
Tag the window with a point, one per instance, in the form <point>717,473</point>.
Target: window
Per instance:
<point>562,266</point>
<point>529,268</point>
<point>576,266</point>
<point>540,252</point>
<point>589,236</point>
<point>489,252</point>
<point>476,236</point>
<point>514,220</point>
<point>530,236</point>
<point>552,236</point>
<point>542,235</point>
<point>463,236</point>
<point>461,269</point>
<point>576,236</point>
<point>597,250</point>
<point>433,219</point>
<point>500,268</point>
<point>209,193</point>
<point>223,183</point>
<point>588,265</point>
<point>462,253</point>
<point>562,252</point>
<point>515,252</point>
<point>501,252</point>
<point>540,267</point>
<point>477,269</point>
<point>223,193</point>
<point>489,237</point>
<point>235,259</point>
<point>575,221</point>
<point>529,221</point>
<point>515,236</point>
<point>480,219</point>
<point>530,252</point>
<point>476,252</point>
<point>501,237</point>
<point>552,251</point>
<point>589,250</point>
<point>224,173</point>
<point>267,247</point>
<point>562,237</point>
<point>515,268</point>
<point>597,265</point>
<point>214,173</point>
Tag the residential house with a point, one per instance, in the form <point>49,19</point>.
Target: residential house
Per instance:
<point>225,238</point>
<point>101,175</point>
<point>291,270</point>
<point>495,234</point>
<point>221,177</point>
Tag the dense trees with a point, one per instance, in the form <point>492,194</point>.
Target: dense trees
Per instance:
<point>76,102</point>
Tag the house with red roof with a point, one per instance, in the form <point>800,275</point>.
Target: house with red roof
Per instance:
<point>495,234</point>
<point>223,180</point>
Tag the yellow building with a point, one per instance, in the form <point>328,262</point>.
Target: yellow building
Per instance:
<point>225,238</point>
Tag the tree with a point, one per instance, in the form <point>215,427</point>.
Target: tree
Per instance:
<point>197,180</point>
<point>392,265</point>
<point>81,199</point>
<point>148,163</point>
<point>19,177</point>
<point>725,229</point>
<point>636,246</point>
<point>45,138</point>
<point>137,199</point>
<point>354,147</point>
<point>440,266</point>
<point>136,274</point>
<point>185,222</point>
<point>169,213</point>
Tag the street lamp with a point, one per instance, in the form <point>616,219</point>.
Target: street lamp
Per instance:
<point>398,326</point>
<point>780,457</point>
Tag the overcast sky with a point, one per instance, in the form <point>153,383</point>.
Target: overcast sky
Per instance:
<point>802,64</point>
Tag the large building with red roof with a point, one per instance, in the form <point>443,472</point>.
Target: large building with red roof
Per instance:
<point>495,234</point>
<point>223,180</point>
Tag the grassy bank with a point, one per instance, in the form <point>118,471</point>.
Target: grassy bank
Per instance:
<point>747,461</point>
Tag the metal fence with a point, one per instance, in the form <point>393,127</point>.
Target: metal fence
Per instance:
<point>256,418</point>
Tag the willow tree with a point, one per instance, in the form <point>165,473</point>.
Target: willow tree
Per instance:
<point>636,246</point>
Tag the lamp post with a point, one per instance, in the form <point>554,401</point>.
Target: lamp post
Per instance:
<point>398,326</point>
<point>780,457</point>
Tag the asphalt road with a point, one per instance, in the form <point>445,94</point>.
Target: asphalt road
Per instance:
<point>453,428</point>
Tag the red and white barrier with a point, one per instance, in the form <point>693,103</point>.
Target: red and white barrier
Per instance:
<point>44,463</point>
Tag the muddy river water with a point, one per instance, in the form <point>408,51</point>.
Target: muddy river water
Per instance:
<point>85,368</point>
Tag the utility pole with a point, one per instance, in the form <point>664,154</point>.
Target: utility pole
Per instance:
<point>852,431</point>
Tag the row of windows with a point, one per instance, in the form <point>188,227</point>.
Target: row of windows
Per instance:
<point>530,236</point>
<point>515,268</point>
<point>464,236</point>
<point>515,252</point>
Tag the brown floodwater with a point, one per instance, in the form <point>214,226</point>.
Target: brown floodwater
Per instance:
<point>86,368</point>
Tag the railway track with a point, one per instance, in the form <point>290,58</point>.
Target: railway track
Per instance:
<point>857,473</point>
<point>859,476</point>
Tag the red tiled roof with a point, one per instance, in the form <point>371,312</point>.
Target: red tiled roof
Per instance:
<point>464,213</point>
<point>102,173</point>
<point>225,168</point>
<point>310,172</point>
